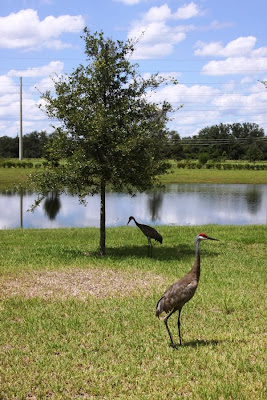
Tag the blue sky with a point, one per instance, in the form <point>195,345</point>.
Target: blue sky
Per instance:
<point>216,49</point>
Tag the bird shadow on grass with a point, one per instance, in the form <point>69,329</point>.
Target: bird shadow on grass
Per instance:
<point>198,343</point>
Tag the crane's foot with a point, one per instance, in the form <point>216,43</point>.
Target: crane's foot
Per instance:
<point>175,346</point>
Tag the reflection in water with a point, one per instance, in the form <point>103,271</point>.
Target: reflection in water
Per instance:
<point>180,204</point>
<point>254,199</point>
<point>21,210</point>
<point>52,205</point>
<point>155,200</point>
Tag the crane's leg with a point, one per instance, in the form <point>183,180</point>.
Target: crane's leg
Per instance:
<point>166,324</point>
<point>149,247</point>
<point>179,325</point>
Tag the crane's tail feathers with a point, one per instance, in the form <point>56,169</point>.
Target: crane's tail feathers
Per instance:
<point>159,308</point>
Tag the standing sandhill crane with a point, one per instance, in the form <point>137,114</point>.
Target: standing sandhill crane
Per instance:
<point>182,291</point>
<point>149,232</point>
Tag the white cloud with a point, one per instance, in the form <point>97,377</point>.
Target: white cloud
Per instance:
<point>7,85</point>
<point>54,67</point>
<point>241,57</point>
<point>195,98</point>
<point>236,65</point>
<point>178,94</point>
<point>156,37</point>
<point>43,85</point>
<point>257,86</point>
<point>254,103</point>
<point>163,13</point>
<point>187,11</point>
<point>24,30</point>
<point>156,40</point>
<point>247,79</point>
<point>260,52</point>
<point>158,14</point>
<point>241,46</point>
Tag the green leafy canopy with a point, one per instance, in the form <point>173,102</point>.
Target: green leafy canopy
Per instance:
<point>110,131</point>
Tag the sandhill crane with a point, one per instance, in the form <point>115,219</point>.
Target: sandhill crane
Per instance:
<point>182,291</point>
<point>149,232</point>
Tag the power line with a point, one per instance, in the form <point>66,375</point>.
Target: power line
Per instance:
<point>209,142</point>
<point>222,141</point>
<point>179,82</point>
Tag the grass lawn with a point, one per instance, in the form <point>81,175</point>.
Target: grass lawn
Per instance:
<point>10,177</point>
<point>78,326</point>
<point>179,175</point>
<point>14,176</point>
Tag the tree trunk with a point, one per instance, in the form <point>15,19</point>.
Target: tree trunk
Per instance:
<point>103,219</point>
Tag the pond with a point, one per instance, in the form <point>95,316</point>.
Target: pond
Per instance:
<point>176,204</point>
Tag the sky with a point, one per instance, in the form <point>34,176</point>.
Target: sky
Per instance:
<point>217,50</point>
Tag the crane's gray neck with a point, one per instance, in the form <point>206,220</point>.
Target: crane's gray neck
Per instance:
<point>196,266</point>
<point>136,222</point>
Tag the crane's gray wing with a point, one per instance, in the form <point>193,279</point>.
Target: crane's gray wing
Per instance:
<point>176,296</point>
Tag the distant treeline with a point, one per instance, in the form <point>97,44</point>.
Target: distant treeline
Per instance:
<point>33,145</point>
<point>220,142</point>
<point>217,143</point>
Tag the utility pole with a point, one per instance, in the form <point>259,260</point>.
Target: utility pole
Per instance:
<point>20,130</point>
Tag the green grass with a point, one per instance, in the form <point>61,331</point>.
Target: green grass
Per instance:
<point>114,347</point>
<point>9,177</point>
<point>178,175</point>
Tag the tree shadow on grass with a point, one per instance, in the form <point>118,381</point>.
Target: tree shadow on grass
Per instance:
<point>158,252</point>
<point>179,252</point>
<point>166,253</point>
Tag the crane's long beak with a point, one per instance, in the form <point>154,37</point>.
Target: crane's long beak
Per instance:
<point>210,238</point>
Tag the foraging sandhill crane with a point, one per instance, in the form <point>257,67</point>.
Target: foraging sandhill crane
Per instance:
<point>182,291</point>
<point>149,232</point>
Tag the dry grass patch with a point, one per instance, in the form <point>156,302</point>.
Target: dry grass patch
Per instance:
<point>80,283</point>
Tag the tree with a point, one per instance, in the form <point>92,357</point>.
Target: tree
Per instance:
<point>246,135</point>
<point>9,147</point>
<point>110,133</point>
<point>218,137</point>
<point>34,144</point>
<point>174,147</point>
<point>203,158</point>
<point>254,153</point>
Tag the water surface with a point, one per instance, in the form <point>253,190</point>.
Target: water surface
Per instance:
<point>177,204</point>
